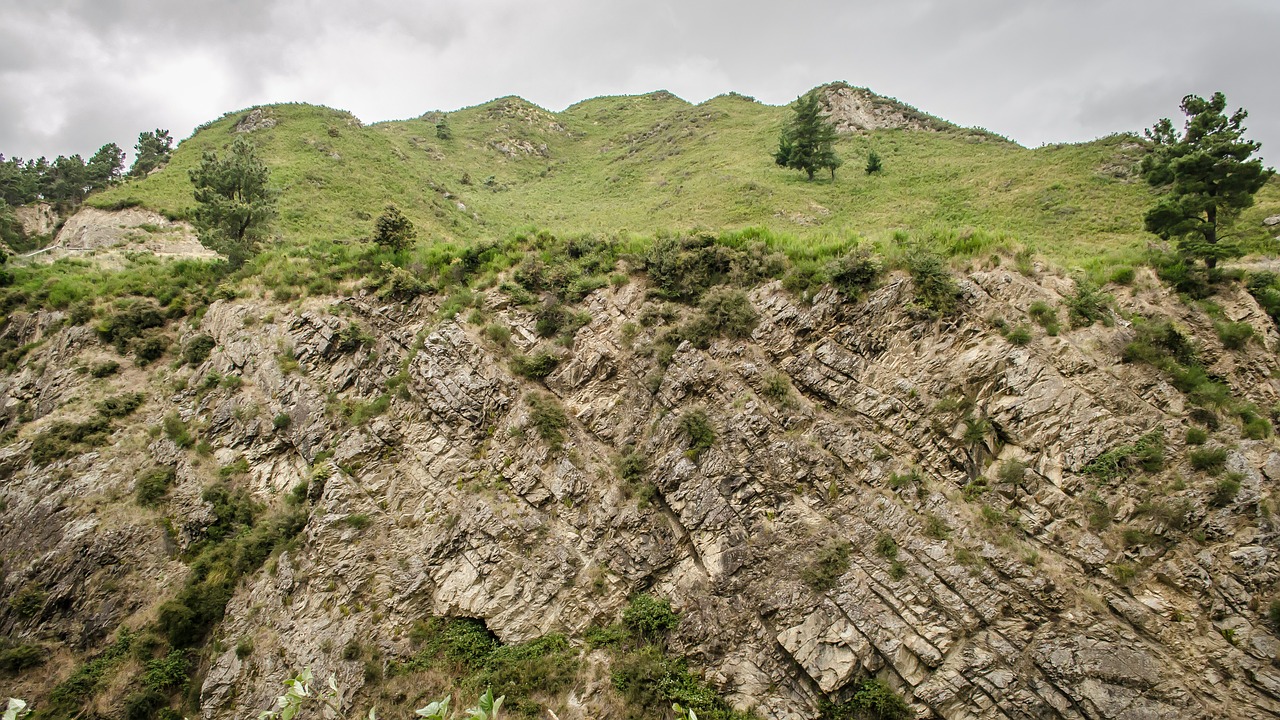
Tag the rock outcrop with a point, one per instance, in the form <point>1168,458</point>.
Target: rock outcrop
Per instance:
<point>989,573</point>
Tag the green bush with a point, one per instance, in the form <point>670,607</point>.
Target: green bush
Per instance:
<point>1208,460</point>
<point>854,273</point>
<point>1196,436</point>
<point>197,349</point>
<point>1013,472</point>
<point>153,485</point>
<point>66,439</point>
<point>282,421</point>
<point>1225,491</point>
<point>697,427</point>
<point>535,366</point>
<point>131,318</point>
<point>351,338</point>
<point>1018,336</point>
<point>548,419</point>
<point>178,431</point>
<point>1045,316</point>
<point>649,617</point>
<point>831,561</point>
<point>150,348</point>
<point>1145,454</point>
<point>729,311</point>
<point>650,682</point>
<point>886,546</point>
<point>1088,304</point>
<point>683,268</point>
<point>936,291</point>
<point>1234,335</point>
<point>18,658</point>
<point>118,406</point>
<point>104,369</point>
<point>1123,275</point>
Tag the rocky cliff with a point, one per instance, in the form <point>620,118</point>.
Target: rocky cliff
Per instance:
<point>992,520</point>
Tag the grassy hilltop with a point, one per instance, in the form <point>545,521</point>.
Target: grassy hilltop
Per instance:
<point>640,164</point>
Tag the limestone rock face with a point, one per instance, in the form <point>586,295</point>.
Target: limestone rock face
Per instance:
<point>38,219</point>
<point>990,572</point>
<point>101,232</point>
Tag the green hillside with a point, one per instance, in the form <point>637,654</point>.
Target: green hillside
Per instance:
<point>654,162</point>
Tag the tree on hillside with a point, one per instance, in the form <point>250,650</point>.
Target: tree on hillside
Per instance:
<point>1207,175</point>
<point>234,205</point>
<point>807,142</point>
<point>105,166</point>
<point>442,128</point>
<point>66,182</point>
<point>393,230</point>
<point>154,149</point>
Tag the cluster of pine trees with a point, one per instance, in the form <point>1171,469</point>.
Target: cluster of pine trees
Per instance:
<point>66,181</point>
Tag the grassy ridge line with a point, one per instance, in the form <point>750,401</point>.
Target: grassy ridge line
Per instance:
<point>640,164</point>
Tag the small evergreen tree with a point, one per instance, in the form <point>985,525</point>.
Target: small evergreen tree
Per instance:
<point>234,205</point>
<point>873,163</point>
<point>442,128</point>
<point>106,166</point>
<point>807,142</point>
<point>153,150</point>
<point>1207,174</point>
<point>393,230</point>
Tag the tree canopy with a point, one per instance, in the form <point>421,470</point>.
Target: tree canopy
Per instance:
<point>807,142</point>
<point>1207,174</point>
<point>393,230</point>
<point>154,149</point>
<point>234,204</point>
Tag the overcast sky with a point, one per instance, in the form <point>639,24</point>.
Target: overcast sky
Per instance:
<point>75,74</point>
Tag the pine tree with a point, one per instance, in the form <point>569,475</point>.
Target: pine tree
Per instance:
<point>1208,177</point>
<point>442,128</point>
<point>808,141</point>
<point>233,202</point>
<point>105,166</point>
<point>874,165</point>
<point>154,149</point>
<point>393,230</point>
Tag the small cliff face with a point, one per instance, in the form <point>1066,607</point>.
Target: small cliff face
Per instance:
<point>977,559</point>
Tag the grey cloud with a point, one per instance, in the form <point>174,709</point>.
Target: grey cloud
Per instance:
<point>1035,71</point>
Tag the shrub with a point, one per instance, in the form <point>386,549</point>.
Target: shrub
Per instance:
<point>536,366</point>
<point>854,273</point>
<point>872,700</point>
<point>1123,275</point>
<point>1209,460</point>
<point>153,485</point>
<point>118,406</point>
<point>874,163</point>
<point>1147,453</point>
<point>282,421</point>
<point>1196,436</point>
<point>649,617</point>
<point>548,419</point>
<point>104,369</point>
<point>1045,316</point>
<point>1234,335</point>
<point>697,427</point>
<point>729,311</point>
<point>1013,472</point>
<point>65,439</point>
<point>351,338</point>
<point>886,546</point>
<point>17,658</point>
<point>1088,304</point>
<point>500,334</point>
<point>1019,336</point>
<point>131,318</point>
<point>197,349</point>
<point>150,348</point>
<point>632,466</point>
<point>1225,491</point>
<point>358,521</point>
<point>825,568</point>
<point>393,230</point>
<point>936,291</point>
<point>178,431</point>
